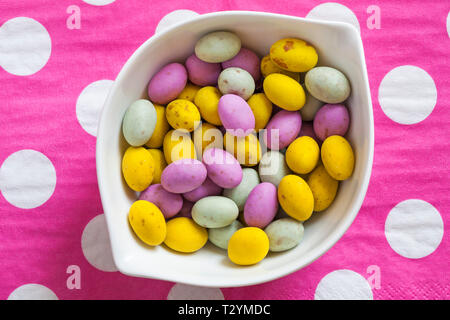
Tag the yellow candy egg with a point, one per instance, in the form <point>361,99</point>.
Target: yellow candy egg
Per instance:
<point>178,145</point>
<point>269,67</point>
<point>284,91</point>
<point>261,108</point>
<point>323,188</point>
<point>207,136</point>
<point>184,235</point>
<point>248,246</point>
<point>159,162</point>
<point>147,222</point>
<point>295,197</point>
<point>138,168</point>
<point>161,128</point>
<point>337,157</point>
<point>247,150</point>
<point>207,101</point>
<point>294,55</point>
<point>189,92</point>
<point>183,114</point>
<point>302,155</point>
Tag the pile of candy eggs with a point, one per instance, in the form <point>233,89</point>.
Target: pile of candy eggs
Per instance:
<point>236,149</point>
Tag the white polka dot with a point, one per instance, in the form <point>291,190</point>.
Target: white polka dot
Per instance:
<point>414,228</point>
<point>25,46</point>
<point>407,94</point>
<point>187,292</point>
<point>27,179</point>
<point>99,2</point>
<point>32,291</point>
<point>96,245</point>
<point>173,18</point>
<point>343,285</point>
<point>332,11</point>
<point>448,23</point>
<point>90,104</point>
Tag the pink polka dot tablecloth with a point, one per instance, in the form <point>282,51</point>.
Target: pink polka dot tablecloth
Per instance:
<point>58,60</point>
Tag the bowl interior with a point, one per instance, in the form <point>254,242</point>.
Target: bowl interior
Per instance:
<point>338,46</point>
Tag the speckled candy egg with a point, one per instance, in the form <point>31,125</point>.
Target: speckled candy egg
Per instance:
<point>308,130</point>
<point>302,155</point>
<point>223,169</point>
<point>161,128</point>
<point>178,145</point>
<point>186,209</point>
<point>330,120</point>
<point>169,203</point>
<point>236,115</point>
<point>183,175</point>
<point>139,122</point>
<point>147,222</point>
<point>273,167</point>
<point>236,81</point>
<point>207,136</point>
<point>239,194</point>
<point>284,234</point>
<point>261,205</point>
<point>214,212</point>
<point>167,83</point>
<point>247,60</point>
<point>269,67</point>
<point>338,157</point>
<point>247,150</point>
<point>282,129</point>
<point>323,187</point>
<point>221,236</point>
<point>295,197</point>
<point>208,188</point>
<point>283,91</point>
<point>183,114</point>
<point>248,246</point>
<point>207,101</point>
<point>189,92</point>
<point>137,168</point>
<point>159,163</point>
<point>294,55</point>
<point>217,47</point>
<point>202,73</point>
<point>327,84</point>
<point>184,235</point>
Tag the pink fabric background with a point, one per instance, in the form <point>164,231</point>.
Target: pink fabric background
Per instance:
<point>38,112</point>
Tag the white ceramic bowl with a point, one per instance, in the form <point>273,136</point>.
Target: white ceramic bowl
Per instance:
<point>338,44</point>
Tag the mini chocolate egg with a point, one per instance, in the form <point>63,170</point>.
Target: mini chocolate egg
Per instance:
<point>312,105</point>
<point>202,73</point>
<point>147,222</point>
<point>214,212</point>
<point>207,101</point>
<point>327,84</point>
<point>236,115</point>
<point>137,168</point>
<point>167,83</point>
<point>273,167</point>
<point>139,122</point>
<point>169,203</point>
<point>282,129</point>
<point>283,91</point>
<point>223,169</point>
<point>284,234</point>
<point>338,157</point>
<point>239,194</point>
<point>330,120</point>
<point>183,175</point>
<point>247,60</point>
<point>217,47</point>
<point>323,187</point>
<point>161,128</point>
<point>261,205</point>
<point>189,92</point>
<point>220,236</point>
<point>184,235</point>
<point>208,188</point>
<point>159,164</point>
<point>178,145</point>
<point>295,197</point>
<point>261,108</point>
<point>269,67</point>
<point>302,155</point>
<point>248,246</point>
<point>183,114</point>
<point>236,81</point>
<point>294,55</point>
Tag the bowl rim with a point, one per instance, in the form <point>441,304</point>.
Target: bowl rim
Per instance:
<point>270,275</point>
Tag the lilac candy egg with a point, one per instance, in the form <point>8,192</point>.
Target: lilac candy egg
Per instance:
<point>330,120</point>
<point>236,115</point>
<point>223,169</point>
<point>261,206</point>
<point>282,129</point>
<point>183,175</point>
<point>308,130</point>
<point>247,60</point>
<point>169,203</point>
<point>186,209</point>
<point>202,73</point>
<point>167,83</point>
<point>208,188</point>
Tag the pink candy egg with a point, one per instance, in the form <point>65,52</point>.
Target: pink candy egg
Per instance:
<point>169,203</point>
<point>223,169</point>
<point>247,60</point>
<point>202,73</point>
<point>330,120</point>
<point>282,129</point>
<point>167,83</point>
<point>236,115</point>
<point>208,188</point>
<point>183,175</point>
<point>261,206</point>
